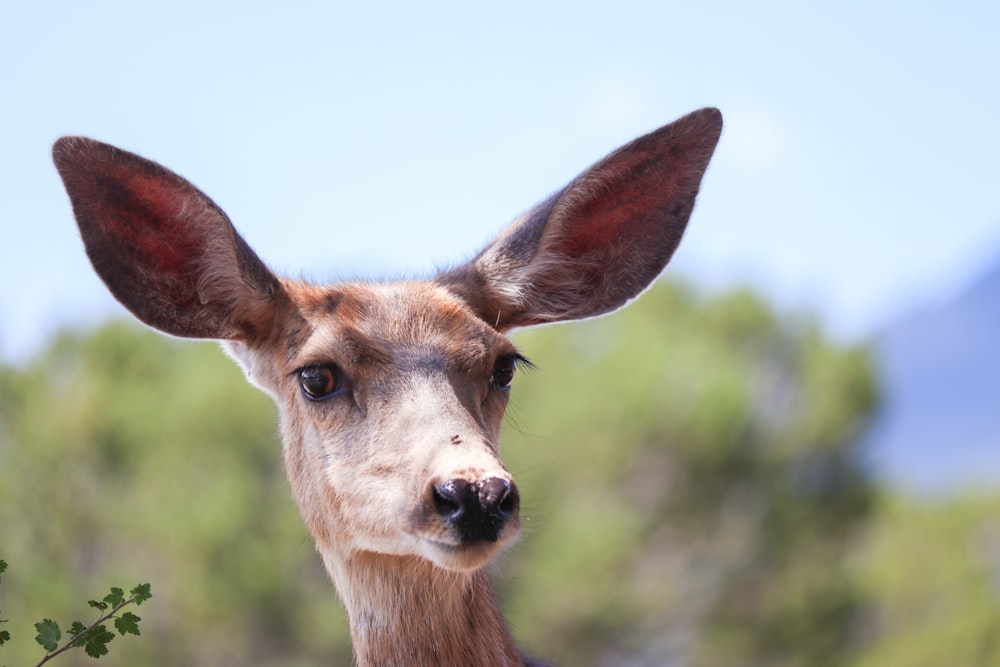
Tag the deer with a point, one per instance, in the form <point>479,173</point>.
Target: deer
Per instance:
<point>391,394</point>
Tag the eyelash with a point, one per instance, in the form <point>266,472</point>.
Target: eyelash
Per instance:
<point>506,368</point>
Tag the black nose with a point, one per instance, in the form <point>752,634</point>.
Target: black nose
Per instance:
<point>477,511</point>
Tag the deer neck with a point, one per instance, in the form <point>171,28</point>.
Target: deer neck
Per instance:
<point>407,611</point>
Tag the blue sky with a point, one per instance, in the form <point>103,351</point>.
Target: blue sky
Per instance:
<point>858,174</point>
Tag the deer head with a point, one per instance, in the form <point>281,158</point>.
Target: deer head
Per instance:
<point>391,395</point>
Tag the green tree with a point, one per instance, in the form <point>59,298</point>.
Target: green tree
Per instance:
<point>931,568</point>
<point>694,487</point>
<point>688,467</point>
<point>125,456</point>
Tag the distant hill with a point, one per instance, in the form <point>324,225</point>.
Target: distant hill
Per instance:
<point>940,425</point>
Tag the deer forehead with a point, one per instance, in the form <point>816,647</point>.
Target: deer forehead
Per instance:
<point>404,326</point>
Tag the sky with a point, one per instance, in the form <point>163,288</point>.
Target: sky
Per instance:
<point>856,178</point>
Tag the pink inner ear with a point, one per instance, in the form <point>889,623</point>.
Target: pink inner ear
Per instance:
<point>147,232</point>
<point>144,220</point>
<point>168,242</point>
<point>163,248</point>
<point>633,210</point>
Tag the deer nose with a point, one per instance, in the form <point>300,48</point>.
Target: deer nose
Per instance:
<point>477,511</point>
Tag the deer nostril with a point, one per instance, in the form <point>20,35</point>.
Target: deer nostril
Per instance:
<point>449,498</point>
<point>511,502</point>
<point>499,496</point>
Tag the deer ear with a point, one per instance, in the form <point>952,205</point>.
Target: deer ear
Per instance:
<point>163,248</point>
<point>601,240</point>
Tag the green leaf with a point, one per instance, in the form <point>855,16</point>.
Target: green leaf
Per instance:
<point>96,604</point>
<point>76,629</point>
<point>115,597</point>
<point>141,593</point>
<point>96,641</point>
<point>3,566</point>
<point>48,634</point>
<point>127,623</point>
<point>4,637</point>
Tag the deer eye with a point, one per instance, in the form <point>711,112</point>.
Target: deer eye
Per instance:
<point>503,372</point>
<point>320,382</point>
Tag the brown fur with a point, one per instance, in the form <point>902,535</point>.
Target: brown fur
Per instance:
<point>391,471</point>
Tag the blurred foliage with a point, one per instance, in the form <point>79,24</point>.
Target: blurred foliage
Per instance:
<point>693,494</point>
<point>126,456</point>
<point>694,487</point>
<point>932,569</point>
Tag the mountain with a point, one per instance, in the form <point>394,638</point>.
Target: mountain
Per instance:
<point>939,428</point>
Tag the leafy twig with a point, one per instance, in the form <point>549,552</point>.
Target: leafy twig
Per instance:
<point>94,638</point>
<point>4,635</point>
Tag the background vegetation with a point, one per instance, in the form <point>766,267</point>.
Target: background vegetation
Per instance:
<point>694,494</point>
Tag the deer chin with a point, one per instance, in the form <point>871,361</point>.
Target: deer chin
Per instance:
<point>464,556</point>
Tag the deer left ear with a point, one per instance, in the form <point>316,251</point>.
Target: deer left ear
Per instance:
<point>165,250</point>
<point>601,240</point>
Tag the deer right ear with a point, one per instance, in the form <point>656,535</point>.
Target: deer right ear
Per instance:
<point>598,242</point>
<point>165,250</point>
